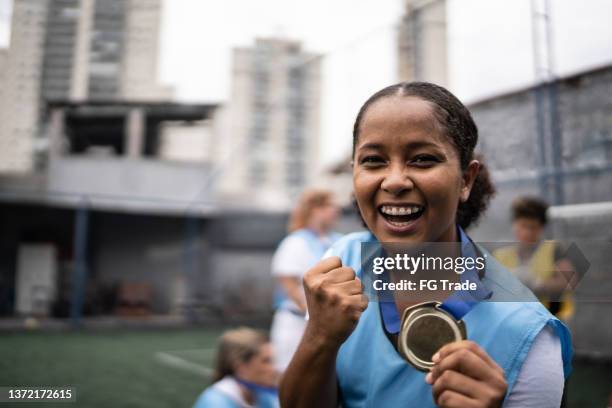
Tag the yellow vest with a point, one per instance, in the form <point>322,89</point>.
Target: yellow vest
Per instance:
<point>542,266</point>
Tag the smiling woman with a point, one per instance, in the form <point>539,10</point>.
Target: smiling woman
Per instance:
<point>437,137</point>
<point>402,160</point>
<point>416,180</point>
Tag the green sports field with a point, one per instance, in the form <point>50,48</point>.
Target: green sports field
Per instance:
<point>111,369</point>
<point>162,368</point>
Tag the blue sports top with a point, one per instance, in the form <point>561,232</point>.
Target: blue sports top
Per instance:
<point>317,248</point>
<point>458,304</point>
<point>227,394</point>
<point>371,373</point>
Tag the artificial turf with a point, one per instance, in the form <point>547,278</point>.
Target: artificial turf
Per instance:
<point>108,369</point>
<point>122,368</point>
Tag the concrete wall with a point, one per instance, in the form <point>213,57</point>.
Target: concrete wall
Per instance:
<point>21,82</point>
<point>587,226</point>
<point>509,142</point>
<point>422,42</point>
<point>171,184</point>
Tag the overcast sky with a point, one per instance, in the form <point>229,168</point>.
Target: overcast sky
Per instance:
<point>490,47</point>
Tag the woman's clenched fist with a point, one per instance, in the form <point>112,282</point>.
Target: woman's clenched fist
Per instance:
<point>335,300</point>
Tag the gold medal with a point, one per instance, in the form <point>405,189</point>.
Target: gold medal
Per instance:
<point>425,328</point>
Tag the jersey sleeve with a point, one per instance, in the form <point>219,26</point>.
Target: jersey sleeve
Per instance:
<point>292,258</point>
<point>540,381</point>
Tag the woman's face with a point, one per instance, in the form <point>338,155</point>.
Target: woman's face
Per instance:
<point>260,368</point>
<point>406,173</point>
<point>527,230</point>
<point>326,215</point>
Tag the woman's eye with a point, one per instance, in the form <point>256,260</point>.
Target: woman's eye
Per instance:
<point>425,160</point>
<point>372,160</point>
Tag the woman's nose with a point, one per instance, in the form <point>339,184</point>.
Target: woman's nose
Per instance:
<point>397,181</point>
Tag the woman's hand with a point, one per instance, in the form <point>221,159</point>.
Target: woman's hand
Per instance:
<point>466,376</point>
<point>335,300</point>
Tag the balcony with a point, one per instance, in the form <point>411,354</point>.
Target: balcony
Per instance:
<point>143,185</point>
<point>115,156</point>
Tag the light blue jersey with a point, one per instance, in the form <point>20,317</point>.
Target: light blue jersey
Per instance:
<point>317,248</point>
<point>226,393</point>
<point>371,373</point>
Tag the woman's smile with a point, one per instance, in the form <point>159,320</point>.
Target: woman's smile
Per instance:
<point>401,217</point>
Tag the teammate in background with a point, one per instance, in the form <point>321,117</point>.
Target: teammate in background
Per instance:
<point>538,263</point>
<point>311,234</point>
<point>244,375</point>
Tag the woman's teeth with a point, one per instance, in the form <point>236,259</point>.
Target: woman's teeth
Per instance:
<point>399,224</point>
<point>391,210</point>
<point>401,216</point>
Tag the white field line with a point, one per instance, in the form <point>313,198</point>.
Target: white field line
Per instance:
<point>182,364</point>
<point>196,350</point>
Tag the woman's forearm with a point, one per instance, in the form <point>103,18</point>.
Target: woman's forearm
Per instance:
<point>310,379</point>
<point>293,288</point>
<point>335,302</point>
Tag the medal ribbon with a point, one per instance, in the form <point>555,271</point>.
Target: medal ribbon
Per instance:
<point>458,304</point>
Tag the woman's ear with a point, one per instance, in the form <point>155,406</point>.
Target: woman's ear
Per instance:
<point>469,176</point>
